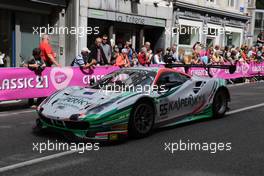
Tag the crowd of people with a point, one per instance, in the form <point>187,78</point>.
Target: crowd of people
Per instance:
<point>104,54</point>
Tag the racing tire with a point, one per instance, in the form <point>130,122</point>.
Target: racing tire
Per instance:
<point>220,104</point>
<point>141,120</point>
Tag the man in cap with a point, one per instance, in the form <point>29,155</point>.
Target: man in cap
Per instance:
<point>83,60</point>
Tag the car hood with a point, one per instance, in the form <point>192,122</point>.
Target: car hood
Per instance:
<point>79,100</point>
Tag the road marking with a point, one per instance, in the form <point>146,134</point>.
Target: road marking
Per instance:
<point>245,109</point>
<point>3,114</point>
<point>37,160</point>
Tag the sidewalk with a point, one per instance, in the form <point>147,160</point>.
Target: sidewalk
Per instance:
<point>13,105</point>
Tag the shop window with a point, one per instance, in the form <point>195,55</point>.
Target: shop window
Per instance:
<point>134,6</point>
<point>188,35</point>
<point>210,42</point>
<point>185,39</point>
<point>211,1</point>
<point>231,3</point>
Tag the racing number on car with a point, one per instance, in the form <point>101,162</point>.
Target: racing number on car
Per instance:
<point>163,109</point>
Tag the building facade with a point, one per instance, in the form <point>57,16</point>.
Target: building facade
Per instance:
<point>257,25</point>
<point>19,18</point>
<point>122,20</point>
<point>211,22</point>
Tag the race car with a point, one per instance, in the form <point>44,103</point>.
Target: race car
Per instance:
<point>131,102</point>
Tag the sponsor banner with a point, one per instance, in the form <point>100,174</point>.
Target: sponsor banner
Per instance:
<point>242,70</point>
<point>22,83</point>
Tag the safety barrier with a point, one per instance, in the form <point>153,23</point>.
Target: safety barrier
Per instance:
<point>22,83</point>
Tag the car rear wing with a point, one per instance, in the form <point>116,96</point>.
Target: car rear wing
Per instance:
<point>231,68</point>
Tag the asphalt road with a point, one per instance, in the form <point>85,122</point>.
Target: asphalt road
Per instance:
<point>244,130</point>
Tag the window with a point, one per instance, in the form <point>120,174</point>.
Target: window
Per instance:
<point>188,35</point>
<point>212,1</point>
<point>231,3</point>
<point>172,77</point>
<point>259,20</point>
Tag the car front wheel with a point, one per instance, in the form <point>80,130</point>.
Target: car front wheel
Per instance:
<point>141,120</point>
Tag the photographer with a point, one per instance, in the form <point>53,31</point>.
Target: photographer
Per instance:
<point>37,65</point>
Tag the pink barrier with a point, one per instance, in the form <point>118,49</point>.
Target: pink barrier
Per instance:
<point>21,83</point>
<point>242,70</point>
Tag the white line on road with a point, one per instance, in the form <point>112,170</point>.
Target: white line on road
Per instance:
<point>37,160</point>
<point>245,109</point>
<point>57,155</point>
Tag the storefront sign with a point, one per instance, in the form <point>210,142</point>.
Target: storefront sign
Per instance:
<point>126,18</point>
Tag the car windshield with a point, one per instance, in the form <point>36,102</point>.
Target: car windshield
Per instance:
<point>125,78</point>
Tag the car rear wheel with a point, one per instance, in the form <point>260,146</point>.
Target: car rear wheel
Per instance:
<point>141,120</point>
<point>220,104</point>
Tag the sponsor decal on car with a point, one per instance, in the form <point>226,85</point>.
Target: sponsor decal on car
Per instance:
<point>191,100</point>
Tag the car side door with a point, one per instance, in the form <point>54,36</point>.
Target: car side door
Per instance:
<point>178,98</point>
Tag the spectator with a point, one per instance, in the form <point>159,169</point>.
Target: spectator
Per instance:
<point>129,51</point>
<point>122,59</point>
<point>97,53</point>
<point>174,53</point>
<point>37,65</point>
<point>217,58</point>
<point>149,51</point>
<point>188,59</point>
<point>203,55</point>
<point>180,58</point>
<point>196,59</point>
<point>168,58</point>
<point>47,54</point>
<point>115,54</point>
<point>83,60</point>
<point>142,57</point>
<point>244,53</point>
<point>106,48</point>
<point>227,55</point>
<point>135,58</point>
<point>260,39</point>
<point>2,59</point>
<point>252,53</point>
<point>158,57</point>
